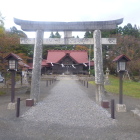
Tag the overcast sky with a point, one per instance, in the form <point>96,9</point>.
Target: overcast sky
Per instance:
<point>70,10</point>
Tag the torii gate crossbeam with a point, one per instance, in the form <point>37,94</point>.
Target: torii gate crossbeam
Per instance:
<point>67,26</point>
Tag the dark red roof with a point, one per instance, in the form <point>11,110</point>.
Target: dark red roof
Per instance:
<point>44,63</point>
<point>30,65</point>
<point>120,57</point>
<point>80,56</point>
<point>91,63</point>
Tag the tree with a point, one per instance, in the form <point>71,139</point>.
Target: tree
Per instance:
<point>10,42</point>
<point>20,48</point>
<point>13,30</point>
<point>57,35</point>
<point>129,30</point>
<point>24,57</point>
<point>88,34</point>
<point>26,49</point>
<point>52,35</point>
<point>2,29</point>
<point>80,47</point>
<point>128,45</point>
<point>50,47</point>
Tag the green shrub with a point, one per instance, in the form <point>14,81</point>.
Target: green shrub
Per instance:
<point>92,72</point>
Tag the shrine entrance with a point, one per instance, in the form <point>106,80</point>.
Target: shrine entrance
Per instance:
<point>67,27</point>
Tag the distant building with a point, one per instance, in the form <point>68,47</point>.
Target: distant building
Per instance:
<point>66,62</point>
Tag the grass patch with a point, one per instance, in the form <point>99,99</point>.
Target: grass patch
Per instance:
<point>92,82</point>
<point>2,93</point>
<point>130,88</point>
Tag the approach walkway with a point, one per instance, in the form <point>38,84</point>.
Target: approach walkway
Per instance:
<point>69,105</point>
<point>66,112</point>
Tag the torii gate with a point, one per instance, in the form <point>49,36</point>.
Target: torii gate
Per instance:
<point>41,26</point>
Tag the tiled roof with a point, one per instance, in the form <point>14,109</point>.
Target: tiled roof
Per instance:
<point>13,55</point>
<point>22,64</point>
<point>30,65</point>
<point>80,56</point>
<point>18,58</point>
<point>44,63</point>
<point>120,57</point>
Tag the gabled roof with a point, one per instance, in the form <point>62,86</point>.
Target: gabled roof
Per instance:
<point>80,56</point>
<point>18,58</point>
<point>121,57</point>
<point>13,55</point>
<point>44,63</point>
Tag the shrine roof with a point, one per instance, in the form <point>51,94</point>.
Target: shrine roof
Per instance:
<point>80,56</point>
<point>120,57</point>
<point>22,64</point>
<point>30,65</point>
<point>13,55</point>
<point>44,63</point>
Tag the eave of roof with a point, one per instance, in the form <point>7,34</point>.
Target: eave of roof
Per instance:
<point>13,55</point>
<point>79,56</point>
<point>120,57</point>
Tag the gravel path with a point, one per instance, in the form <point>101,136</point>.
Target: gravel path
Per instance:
<point>69,105</point>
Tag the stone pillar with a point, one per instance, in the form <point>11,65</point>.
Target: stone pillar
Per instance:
<point>67,35</point>
<point>98,65</point>
<point>36,72</point>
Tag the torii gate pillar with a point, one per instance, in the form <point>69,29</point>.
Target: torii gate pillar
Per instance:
<point>36,73</point>
<point>98,65</point>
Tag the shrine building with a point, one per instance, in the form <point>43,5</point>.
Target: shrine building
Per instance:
<point>66,62</point>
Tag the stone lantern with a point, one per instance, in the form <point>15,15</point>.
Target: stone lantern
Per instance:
<point>12,67</point>
<point>121,68</point>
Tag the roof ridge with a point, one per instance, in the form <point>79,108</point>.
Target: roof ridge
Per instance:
<point>67,50</point>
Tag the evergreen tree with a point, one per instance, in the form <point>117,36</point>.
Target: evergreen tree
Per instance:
<point>88,34</point>
<point>129,30</point>
<point>52,35</point>
<point>13,30</point>
<point>2,29</point>
<point>57,35</point>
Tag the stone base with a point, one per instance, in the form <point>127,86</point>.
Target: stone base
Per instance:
<point>136,113</point>
<point>120,107</point>
<point>11,106</point>
<point>105,104</point>
<point>29,102</point>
